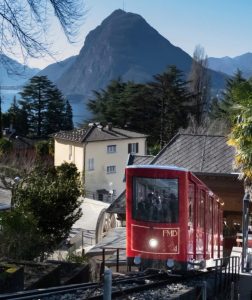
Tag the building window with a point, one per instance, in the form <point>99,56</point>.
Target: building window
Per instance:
<point>70,152</point>
<point>111,169</point>
<point>90,164</point>
<point>111,148</point>
<point>133,148</point>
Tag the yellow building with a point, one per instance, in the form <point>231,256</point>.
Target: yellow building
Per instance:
<point>100,154</point>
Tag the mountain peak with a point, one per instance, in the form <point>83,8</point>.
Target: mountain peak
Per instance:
<point>117,12</point>
<point>119,16</point>
<point>124,45</point>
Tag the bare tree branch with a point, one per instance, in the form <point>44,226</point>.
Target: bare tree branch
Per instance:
<point>25,24</point>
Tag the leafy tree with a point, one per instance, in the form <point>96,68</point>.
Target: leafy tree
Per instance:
<point>223,108</point>
<point>46,108</point>
<point>42,148</point>
<point>5,146</point>
<point>241,131</point>
<point>20,237</point>
<point>16,118</point>
<point>46,205</point>
<point>1,125</point>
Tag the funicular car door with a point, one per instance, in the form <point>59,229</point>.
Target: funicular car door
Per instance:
<point>209,226</point>
<point>215,229</point>
<point>200,221</point>
<point>191,221</point>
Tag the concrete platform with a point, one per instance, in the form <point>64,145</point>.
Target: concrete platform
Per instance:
<point>245,287</point>
<point>115,238</point>
<point>5,199</point>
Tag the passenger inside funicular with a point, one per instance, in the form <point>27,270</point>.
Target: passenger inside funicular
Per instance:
<point>155,200</point>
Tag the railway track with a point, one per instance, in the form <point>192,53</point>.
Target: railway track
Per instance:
<point>122,286</point>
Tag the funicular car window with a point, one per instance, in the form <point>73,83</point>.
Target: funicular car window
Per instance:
<point>155,200</point>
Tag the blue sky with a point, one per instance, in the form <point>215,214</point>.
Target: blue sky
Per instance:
<point>222,27</point>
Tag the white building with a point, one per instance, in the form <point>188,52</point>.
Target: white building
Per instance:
<point>100,154</point>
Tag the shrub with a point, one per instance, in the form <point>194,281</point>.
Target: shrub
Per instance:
<point>5,146</point>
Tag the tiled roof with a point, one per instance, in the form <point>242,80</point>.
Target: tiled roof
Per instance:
<point>198,153</point>
<point>77,135</point>
<point>96,132</point>
<point>141,159</point>
<point>118,205</point>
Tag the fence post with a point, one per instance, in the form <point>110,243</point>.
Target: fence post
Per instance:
<point>107,285</point>
<point>232,291</point>
<point>204,290</point>
<point>117,260</point>
<point>102,264</point>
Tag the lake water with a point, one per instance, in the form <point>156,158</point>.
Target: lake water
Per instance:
<point>80,113</point>
<point>7,98</point>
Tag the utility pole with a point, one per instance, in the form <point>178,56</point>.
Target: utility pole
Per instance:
<point>1,129</point>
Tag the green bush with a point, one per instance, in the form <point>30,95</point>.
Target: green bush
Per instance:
<point>5,146</point>
<point>42,148</point>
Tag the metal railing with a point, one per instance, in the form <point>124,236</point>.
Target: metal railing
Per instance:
<point>117,262</point>
<point>226,276</point>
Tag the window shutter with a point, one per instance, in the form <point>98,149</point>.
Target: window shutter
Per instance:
<point>136,147</point>
<point>129,148</point>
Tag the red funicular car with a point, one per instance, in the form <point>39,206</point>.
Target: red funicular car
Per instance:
<point>173,220</point>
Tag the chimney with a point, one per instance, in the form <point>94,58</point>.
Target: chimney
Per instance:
<point>109,126</point>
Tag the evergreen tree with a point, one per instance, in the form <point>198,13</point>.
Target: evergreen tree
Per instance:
<point>157,109</point>
<point>106,104</point>
<point>170,93</point>
<point>125,104</point>
<point>68,120</point>
<point>45,106</point>
<point>55,112</point>
<point>16,118</point>
<point>224,106</point>
<point>35,97</point>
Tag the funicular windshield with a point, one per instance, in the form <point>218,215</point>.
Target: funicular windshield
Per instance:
<point>155,200</point>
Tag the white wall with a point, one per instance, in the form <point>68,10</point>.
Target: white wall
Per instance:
<point>98,178</point>
<point>62,154</point>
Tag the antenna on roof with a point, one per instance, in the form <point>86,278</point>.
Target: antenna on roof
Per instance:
<point>123,4</point>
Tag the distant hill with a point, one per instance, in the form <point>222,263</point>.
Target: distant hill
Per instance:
<point>13,76</point>
<point>54,71</point>
<point>13,73</point>
<point>230,65</point>
<point>124,46</point>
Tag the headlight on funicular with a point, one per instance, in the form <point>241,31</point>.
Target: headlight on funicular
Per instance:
<point>153,243</point>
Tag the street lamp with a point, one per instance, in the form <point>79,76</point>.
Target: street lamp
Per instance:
<point>111,192</point>
<point>245,223</point>
<point>13,186</point>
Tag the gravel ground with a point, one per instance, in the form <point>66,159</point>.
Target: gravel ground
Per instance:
<point>171,291</point>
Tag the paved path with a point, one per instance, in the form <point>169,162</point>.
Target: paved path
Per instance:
<point>5,198</point>
<point>82,234</point>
